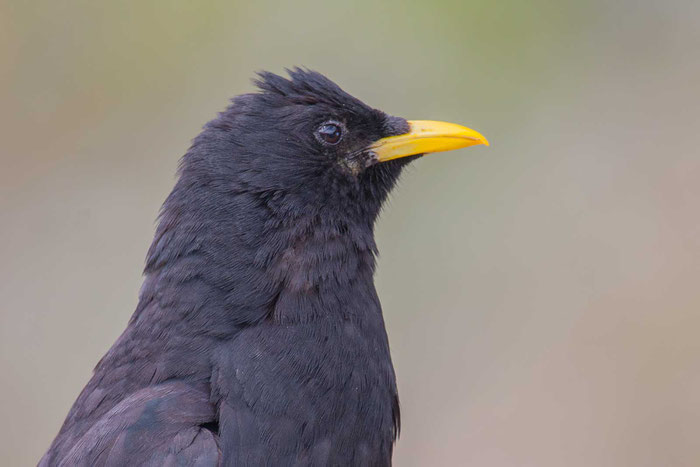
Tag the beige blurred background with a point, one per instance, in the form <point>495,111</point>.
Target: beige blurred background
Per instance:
<point>542,296</point>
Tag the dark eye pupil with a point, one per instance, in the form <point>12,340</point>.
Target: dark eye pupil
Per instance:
<point>330,133</point>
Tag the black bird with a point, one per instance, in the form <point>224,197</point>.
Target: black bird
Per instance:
<point>258,338</point>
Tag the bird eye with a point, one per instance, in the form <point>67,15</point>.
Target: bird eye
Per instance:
<point>330,133</point>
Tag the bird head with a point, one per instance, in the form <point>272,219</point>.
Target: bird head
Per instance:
<point>305,139</point>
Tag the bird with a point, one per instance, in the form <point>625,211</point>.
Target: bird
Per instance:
<point>258,337</point>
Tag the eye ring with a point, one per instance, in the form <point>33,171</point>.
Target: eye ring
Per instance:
<point>330,132</point>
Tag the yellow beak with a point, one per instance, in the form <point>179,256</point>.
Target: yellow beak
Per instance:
<point>426,136</point>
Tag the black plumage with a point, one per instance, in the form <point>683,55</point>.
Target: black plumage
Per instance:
<point>258,338</point>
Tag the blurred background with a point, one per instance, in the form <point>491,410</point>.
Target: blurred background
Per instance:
<point>542,296</point>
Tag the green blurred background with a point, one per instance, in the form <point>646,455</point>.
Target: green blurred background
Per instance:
<point>542,296</point>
